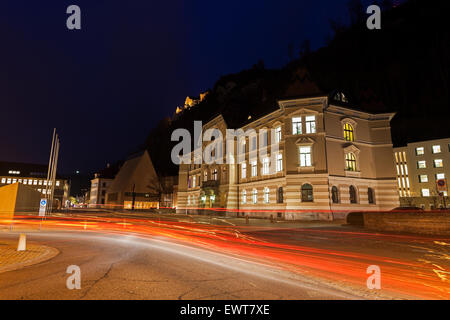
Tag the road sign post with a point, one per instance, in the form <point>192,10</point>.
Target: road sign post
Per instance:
<point>42,207</point>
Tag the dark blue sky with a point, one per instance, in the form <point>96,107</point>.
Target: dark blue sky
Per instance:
<point>132,63</point>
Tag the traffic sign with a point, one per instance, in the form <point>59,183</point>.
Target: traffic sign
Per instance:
<point>441,185</point>
<point>42,207</point>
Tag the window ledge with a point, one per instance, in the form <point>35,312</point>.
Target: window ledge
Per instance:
<point>352,173</point>
<point>305,169</point>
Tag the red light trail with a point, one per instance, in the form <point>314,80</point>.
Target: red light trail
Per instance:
<point>408,278</point>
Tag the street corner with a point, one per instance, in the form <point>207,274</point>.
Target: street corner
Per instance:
<point>11,259</point>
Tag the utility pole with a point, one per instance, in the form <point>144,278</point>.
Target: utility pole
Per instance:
<point>133,195</point>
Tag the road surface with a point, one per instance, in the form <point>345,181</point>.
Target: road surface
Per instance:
<point>198,258</point>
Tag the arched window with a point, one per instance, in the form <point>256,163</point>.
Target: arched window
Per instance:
<point>280,195</point>
<point>348,132</point>
<point>214,174</point>
<point>352,191</point>
<point>266,195</point>
<point>189,200</point>
<point>255,196</point>
<point>244,196</point>
<point>335,194</point>
<point>350,161</point>
<point>371,195</point>
<point>307,193</point>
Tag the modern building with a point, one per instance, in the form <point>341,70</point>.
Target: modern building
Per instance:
<point>35,177</point>
<point>419,166</point>
<point>323,159</point>
<point>18,198</point>
<point>137,182</point>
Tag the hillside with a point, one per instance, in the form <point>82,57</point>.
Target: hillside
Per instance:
<point>404,67</point>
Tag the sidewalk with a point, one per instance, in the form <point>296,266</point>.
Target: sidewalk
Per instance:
<point>11,259</point>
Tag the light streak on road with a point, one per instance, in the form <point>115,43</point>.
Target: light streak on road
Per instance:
<point>401,277</point>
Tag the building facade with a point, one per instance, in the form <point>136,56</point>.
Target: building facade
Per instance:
<point>99,187</point>
<point>319,159</point>
<point>35,177</point>
<point>419,166</point>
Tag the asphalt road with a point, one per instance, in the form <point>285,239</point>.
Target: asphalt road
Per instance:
<point>121,267</point>
<point>143,256</point>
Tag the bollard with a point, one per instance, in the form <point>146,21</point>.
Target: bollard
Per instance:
<point>22,242</point>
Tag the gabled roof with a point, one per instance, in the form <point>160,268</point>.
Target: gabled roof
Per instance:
<point>127,172</point>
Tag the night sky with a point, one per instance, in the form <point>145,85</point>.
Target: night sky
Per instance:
<point>105,86</point>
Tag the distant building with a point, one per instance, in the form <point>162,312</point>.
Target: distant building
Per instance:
<point>331,159</point>
<point>419,165</point>
<point>34,176</point>
<point>100,184</point>
<point>138,181</point>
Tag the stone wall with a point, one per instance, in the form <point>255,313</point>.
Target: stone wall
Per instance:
<point>429,223</point>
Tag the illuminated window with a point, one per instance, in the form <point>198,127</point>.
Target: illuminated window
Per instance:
<point>9,180</point>
<point>255,196</point>
<point>350,161</point>
<point>35,182</point>
<point>307,193</point>
<point>244,196</point>
<point>243,170</point>
<point>243,146</point>
<point>40,190</point>
<point>423,178</point>
<point>436,149</point>
<point>57,183</point>
<point>3,180</point>
<point>215,174</point>
<point>438,163</point>
<point>425,192</point>
<point>279,162</point>
<point>348,132</point>
<point>253,143</point>
<point>278,134</point>
<point>440,176</point>
<point>263,138</point>
<point>305,156</point>
<point>254,168</point>
<point>421,164</point>
<point>194,180</point>
<point>420,151</point>
<point>40,182</point>
<point>310,123</point>
<point>25,181</point>
<point>266,195</point>
<point>14,181</point>
<point>189,200</point>
<point>265,166</point>
<point>205,176</point>
<point>296,125</point>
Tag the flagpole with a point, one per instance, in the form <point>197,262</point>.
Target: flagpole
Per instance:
<point>49,169</point>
